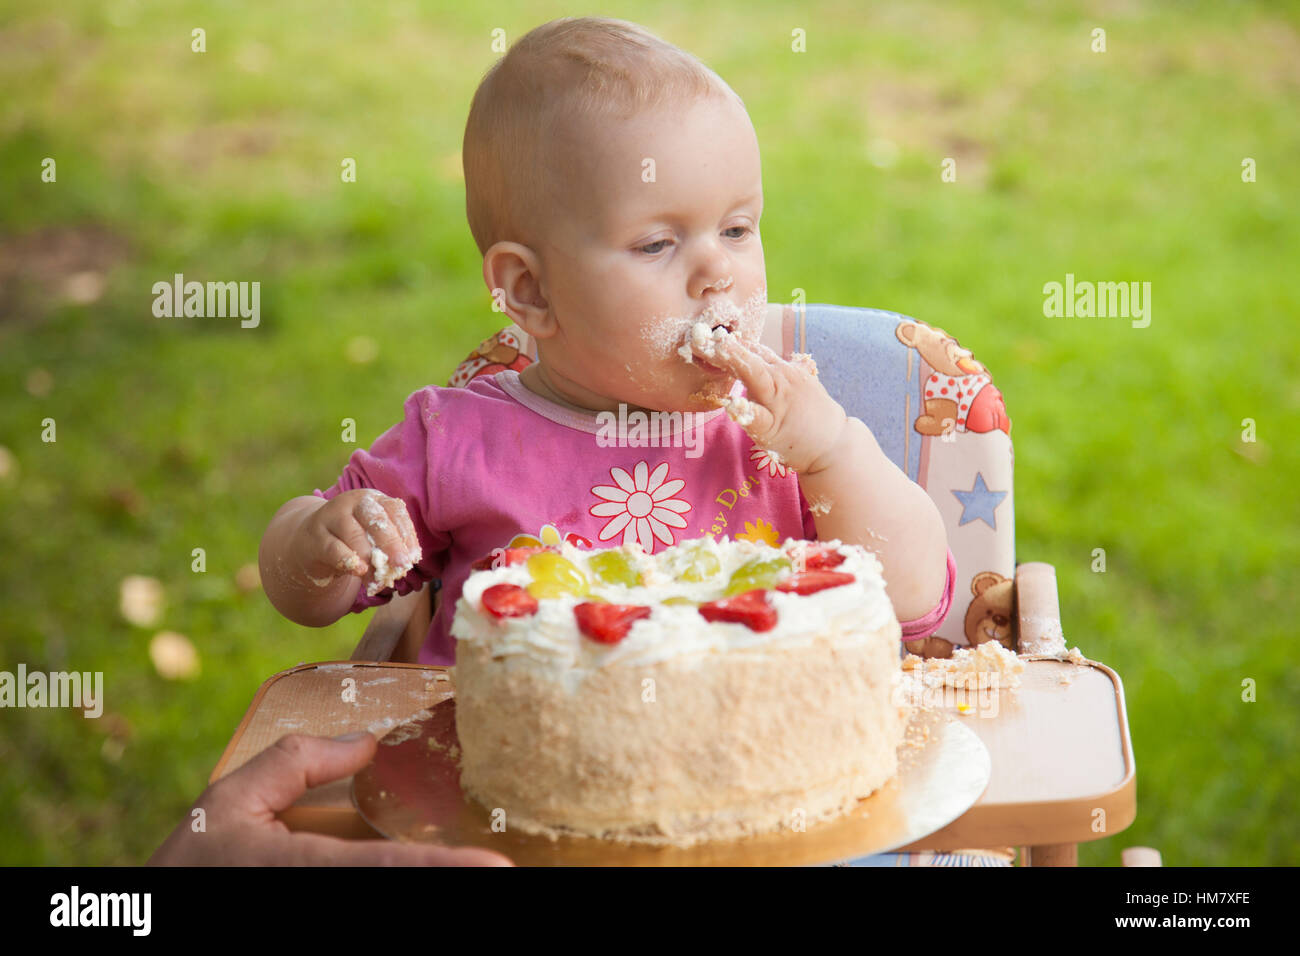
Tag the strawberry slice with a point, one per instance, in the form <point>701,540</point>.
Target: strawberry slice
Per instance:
<point>608,623</point>
<point>822,559</point>
<point>810,582</point>
<point>508,600</point>
<point>750,608</point>
<point>504,557</point>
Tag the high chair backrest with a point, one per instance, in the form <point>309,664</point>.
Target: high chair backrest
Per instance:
<point>935,412</point>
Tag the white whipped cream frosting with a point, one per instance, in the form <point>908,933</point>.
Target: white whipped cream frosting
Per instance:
<point>847,615</point>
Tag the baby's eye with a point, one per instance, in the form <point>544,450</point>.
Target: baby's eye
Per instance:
<point>655,247</point>
<point>743,230</point>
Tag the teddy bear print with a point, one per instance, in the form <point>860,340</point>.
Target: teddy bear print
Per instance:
<point>990,613</point>
<point>929,647</point>
<point>959,394</point>
<point>494,354</point>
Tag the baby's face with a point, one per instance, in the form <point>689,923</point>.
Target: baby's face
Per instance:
<point>661,231</point>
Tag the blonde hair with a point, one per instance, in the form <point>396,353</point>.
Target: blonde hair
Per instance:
<point>583,67</point>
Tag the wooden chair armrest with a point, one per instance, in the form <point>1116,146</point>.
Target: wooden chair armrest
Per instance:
<point>1038,610</point>
<point>387,625</point>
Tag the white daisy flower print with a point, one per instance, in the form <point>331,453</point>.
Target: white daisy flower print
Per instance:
<point>762,458</point>
<point>641,506</point>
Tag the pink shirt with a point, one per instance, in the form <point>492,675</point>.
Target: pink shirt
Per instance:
<point>494,465</point>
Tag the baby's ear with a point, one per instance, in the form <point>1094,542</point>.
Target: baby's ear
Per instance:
<point>512,271</point>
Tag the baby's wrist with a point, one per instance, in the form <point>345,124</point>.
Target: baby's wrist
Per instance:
<point>833,452</point>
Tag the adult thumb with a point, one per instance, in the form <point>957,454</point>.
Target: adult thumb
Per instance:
<point>281,773</point>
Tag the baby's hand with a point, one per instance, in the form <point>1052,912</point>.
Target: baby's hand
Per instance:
<point>360,532</point>
<point>788,411</point>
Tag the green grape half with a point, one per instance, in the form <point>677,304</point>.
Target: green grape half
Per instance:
<point>615,567</point>
<point>555,576</point>
<point>757,574</point>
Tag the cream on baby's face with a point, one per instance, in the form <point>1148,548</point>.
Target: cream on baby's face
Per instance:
<point>632,264</point>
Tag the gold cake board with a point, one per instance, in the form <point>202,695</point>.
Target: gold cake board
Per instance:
<point>411,792</point>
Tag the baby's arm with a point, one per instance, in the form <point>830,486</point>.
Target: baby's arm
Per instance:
<point>316,554</point>
<point>857,494</point>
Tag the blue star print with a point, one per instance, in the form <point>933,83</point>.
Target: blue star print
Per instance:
<point>980,503</point>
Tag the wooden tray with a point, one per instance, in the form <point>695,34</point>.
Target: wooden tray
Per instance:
<point>1063,764</point>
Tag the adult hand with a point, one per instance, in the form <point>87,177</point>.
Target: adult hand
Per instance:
<point>241,827</point>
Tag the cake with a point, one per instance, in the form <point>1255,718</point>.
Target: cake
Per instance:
<point>714,690</point>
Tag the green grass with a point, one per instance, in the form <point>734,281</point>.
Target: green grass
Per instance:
<point>174,435</point>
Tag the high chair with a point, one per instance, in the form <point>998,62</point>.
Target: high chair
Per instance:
<point>936,412</point>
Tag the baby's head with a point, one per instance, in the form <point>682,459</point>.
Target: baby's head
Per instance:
<point>613,185</point>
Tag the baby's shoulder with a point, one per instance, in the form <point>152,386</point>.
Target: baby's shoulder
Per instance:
<point>480,391</point>
<point>480,399</point>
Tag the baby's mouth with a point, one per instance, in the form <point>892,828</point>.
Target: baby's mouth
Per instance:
<point>704,337</point>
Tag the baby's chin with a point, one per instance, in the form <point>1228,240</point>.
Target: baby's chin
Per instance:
<point>698,391</point>
<point>670,385</point>
<point>690,396</point>
<point>710,396</point>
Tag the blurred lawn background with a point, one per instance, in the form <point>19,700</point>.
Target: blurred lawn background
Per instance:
<point>181,434</point>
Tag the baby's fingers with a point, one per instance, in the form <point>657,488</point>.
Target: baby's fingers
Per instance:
<point>378,527</point>
<point>768,353</point>
<point>401,520</point>
<point>390,557</point>
<point>751,416</point>
<point>797,366</point>
<point>336,556</point>
<point>749,367</point>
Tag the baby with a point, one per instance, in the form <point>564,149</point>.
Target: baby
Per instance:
<point>613,186</point>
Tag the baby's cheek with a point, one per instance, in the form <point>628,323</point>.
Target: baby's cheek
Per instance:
<point>660,340</point>
<point>641,370</point>
<point>753,313</point>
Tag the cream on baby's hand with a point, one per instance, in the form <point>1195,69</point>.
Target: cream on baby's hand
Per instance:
<point>787,410</point>
<point>385,569</point>
<point>703,340</point>
<point>361,532</point>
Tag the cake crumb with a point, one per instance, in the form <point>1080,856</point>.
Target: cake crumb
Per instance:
<point>1075,656</point>
<point>401,730</point>
<point>741,411</point>
<point>385,571</point>
<point>935,683</point>
<point>916,735</point>
<point>804,361</point>
<point>702,338</point>
<point>1041,635</point>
